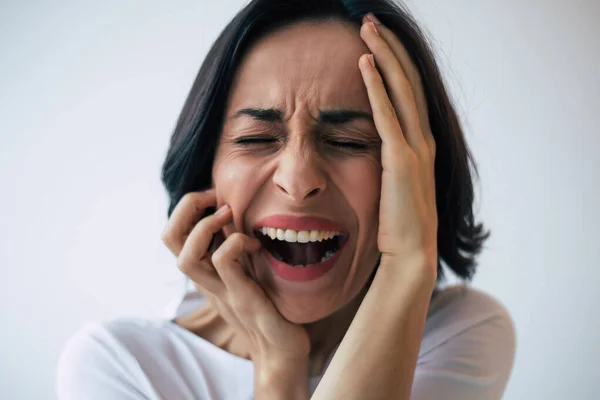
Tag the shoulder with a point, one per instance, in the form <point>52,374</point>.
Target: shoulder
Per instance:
<point>140,358</point>
<point>102,357</point>
<point>459,312</point>
<point>460,308</point>
<point>468,344</point>
<point>116,340</point>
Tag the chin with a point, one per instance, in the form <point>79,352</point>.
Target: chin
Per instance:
<point>303,314</point>
<point>315,309</point>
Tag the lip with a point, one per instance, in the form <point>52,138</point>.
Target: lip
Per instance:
<point>298,223</point>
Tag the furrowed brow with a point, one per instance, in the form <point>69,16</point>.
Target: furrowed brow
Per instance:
<point>261,114</point>
<point>335,117</point>
<point>343,116</point>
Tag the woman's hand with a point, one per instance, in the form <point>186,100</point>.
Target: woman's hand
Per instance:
<point>272,342</point>
<point>407,216</point>
<point>390,322</point>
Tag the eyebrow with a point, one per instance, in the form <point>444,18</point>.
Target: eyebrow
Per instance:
<point>338,116</point>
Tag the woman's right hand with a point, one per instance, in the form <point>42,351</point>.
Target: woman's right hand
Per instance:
<point>272,342</point>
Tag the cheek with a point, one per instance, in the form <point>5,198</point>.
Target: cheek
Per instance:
<point>236,182</point>
<point>362,190</point>
<point>362,187</point>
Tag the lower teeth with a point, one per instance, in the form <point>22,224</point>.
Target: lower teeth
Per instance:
<point>326,257</point>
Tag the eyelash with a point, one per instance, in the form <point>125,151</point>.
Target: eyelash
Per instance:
<point>350,145</point>
<point>252,141</point>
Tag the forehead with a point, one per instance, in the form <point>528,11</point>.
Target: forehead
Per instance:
<point>311,62</point>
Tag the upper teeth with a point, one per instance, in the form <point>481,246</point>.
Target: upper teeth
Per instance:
<point>290,235</point>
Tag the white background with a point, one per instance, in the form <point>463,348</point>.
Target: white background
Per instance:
<point>89,94</point>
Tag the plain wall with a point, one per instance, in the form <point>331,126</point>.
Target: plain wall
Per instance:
<point>89,94</point>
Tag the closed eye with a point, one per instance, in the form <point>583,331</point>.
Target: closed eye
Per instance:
<point>348,144</point>
<point>249,141</point>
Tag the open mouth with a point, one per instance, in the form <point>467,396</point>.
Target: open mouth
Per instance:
<point>301,249</point>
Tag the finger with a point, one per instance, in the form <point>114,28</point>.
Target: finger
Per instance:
<point>203,274</point>
<point>399,88</point>
<point>416,84</point>
<point>384,114</point>
<point>197,245</point>
<point>194,260</point>
<point>186,214</point>
<point>228,260</point>
<point>414,78</point>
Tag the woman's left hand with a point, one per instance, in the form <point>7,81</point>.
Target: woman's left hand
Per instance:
<point>407,216</point>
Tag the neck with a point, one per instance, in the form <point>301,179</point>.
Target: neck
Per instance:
<point>327,333</point>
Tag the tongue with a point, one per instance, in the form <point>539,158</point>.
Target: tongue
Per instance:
<point>303,253</point>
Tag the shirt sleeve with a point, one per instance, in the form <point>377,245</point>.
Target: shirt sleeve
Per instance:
<point>94,366</point>
<point>472,364</point>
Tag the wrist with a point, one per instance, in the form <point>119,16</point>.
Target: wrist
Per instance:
<point>418,270</point>
<point>281,379</point>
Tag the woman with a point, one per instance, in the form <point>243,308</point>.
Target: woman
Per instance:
<point>341,182</point>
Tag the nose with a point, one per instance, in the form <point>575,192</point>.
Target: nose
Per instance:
<point>299,174</point>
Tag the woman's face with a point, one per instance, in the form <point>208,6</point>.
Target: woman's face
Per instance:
<point>299,162</point>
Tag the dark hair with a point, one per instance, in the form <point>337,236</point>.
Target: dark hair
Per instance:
<point>188,164</point>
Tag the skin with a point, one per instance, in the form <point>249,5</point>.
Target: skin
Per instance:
<point>302,70</point>
<point>392,213</point>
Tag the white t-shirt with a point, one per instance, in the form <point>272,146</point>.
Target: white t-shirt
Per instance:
<point>466,353</point>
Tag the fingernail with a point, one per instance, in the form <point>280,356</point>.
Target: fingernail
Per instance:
<point>222,210</point>
<point>373,18</point>
<point>373,27</point>
<point>371,60</point>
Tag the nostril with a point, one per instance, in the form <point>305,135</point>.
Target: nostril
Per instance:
<point>300,193</point>
<point>313,192</point>
<point>282,189</point>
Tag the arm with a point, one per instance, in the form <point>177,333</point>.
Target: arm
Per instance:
<point>281,380</point>
<point>377,357</point>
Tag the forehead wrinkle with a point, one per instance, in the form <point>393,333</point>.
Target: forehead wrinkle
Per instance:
<point>324,73</point>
